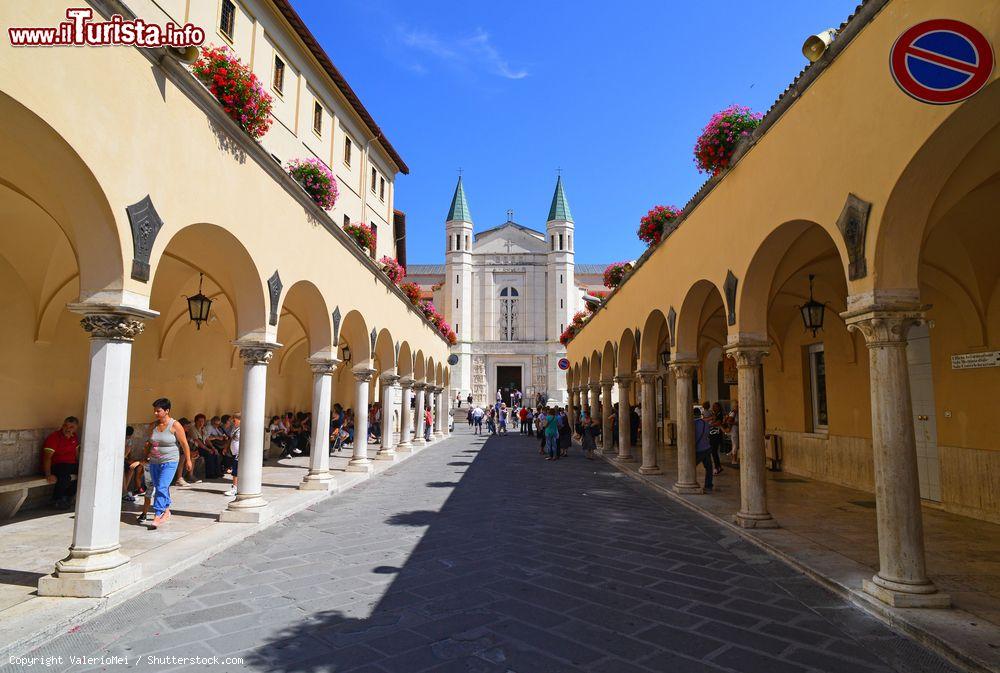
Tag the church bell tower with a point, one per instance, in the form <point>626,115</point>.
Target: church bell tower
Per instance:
<point>561,287</point>
<point>457,290</point>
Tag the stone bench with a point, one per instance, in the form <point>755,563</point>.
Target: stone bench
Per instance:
<point>13,493</point>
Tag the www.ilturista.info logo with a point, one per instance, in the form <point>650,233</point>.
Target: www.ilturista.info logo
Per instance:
<point>81,31</point>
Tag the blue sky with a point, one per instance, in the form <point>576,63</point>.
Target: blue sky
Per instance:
<point>613,93</point>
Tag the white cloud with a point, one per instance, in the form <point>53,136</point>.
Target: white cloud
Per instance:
<point>469,53</point>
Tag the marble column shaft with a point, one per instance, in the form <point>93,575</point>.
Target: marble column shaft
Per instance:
<point>687,479</point>
<point>319,477</point>
<point>406,416</point>
<point>624,419</point>
<point>360,462</point>
<point>607,440</point>
<point>753,511</point>
<point>387,449</point>
<point>418,421</point>
<point>902,579</point>
<point>649,462</point>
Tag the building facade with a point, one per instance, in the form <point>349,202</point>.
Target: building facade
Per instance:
<point>508,291</point>
<point>883,223</point>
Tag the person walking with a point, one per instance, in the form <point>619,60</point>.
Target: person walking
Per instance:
<point>477,419</point>
<point>234,449</point>
<point>714,418</point>
<point>458,399</point>
<point>166,441</point>
<point>734,433</point>
<point>702,449</point>
<point>565,432</point>
<point>550,424</point>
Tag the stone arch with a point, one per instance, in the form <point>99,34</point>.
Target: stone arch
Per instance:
<point>404,364</point>
<point>654,333</point>
<point>626,353</point>
<point>304,303</point>
<point>419,367</point>
<point>959,155</point>
<point>430,374</point>
<point>385,351</point>
<point>354,332</point>
<point>41,174</point>
<point>608,362</point>
<point>702,303</point>
<point>195,248</point>
<point>595,367</point>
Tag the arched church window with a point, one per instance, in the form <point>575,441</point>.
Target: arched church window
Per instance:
<point>507,321</point>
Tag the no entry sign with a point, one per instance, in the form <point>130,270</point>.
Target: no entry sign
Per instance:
<point>941,61</point>
<point>563,364</point>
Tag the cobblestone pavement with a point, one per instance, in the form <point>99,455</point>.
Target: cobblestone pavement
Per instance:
<point>479,556</point>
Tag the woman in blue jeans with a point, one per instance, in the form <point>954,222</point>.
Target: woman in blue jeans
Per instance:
<point>551,435</point>
<point>163,455</point>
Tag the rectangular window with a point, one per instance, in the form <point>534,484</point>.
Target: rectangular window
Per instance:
<point>817,387</point>
<point>278,81</point>
<point>381,189</point>
<point>317,118</point>
<point>374,175</point>
<point>456,303</point>
<point>569,241</point>
<point>560,241</point>
<point>227,19</point>
<point>466,241</point>
<point>456,328</point>
<point>456,279</point>
<point>561,330</point>
<point>553,241</point>
<point>560,306</point>
<point>347,151</point>
<point>560,279</point>
<point>449,244</point>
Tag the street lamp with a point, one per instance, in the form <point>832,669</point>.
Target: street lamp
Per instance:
<point>199,305</point>
<point>812,311</point>
<point>346,352</point>
<point>665,358</point>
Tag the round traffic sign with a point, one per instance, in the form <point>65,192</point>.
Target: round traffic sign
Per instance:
<point>563,364</point>
<point>941,61</point>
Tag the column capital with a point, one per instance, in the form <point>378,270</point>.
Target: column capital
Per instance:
<point>748,353</point>
<point>647,375</point>
<point>419,385</point>
<point>406,382</point>
<point>256,352</point>
<point>683,369</point>
<point>326,366</point>
<point>596,387</point>
<point>363,374</point>
<point>390,379</point>
<point>607,382</point>
<point>112,322</point>
<point>624,379</point>
<point>885,324</point>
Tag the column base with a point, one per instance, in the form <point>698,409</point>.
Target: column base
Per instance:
<point>96,584</point>
<point>625,459</point>
<point>360,465</point>
<point>247,509</point>
<point>318,482</point>
<point>650,470</point>
<point>419,442</point>
<point>899,595</point>
<point>687,489</point>
<point>404,448</point>
<point>765,520</point>
<point>386,455</point>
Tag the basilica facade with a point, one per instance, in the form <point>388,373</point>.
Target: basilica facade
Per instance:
<point>509,292</point>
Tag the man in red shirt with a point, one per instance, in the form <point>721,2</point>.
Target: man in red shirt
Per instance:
<point>59,461</point>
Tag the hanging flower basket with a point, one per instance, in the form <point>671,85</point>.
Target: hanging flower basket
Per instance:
<point>451,337</point>
<point>316,179</point>
<point>718,140</point>
<point>614,274</point>
<point>657,223</point>
<point>579,318</point>
<point>567,335</point>
<point>393,269</point>
<point>362,234</point>
<point>236,88</point>
<point>412,291</point>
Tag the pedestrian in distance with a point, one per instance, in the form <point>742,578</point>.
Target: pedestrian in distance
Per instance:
<point>702,448</point>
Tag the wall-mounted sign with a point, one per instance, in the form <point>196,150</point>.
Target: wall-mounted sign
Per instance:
<point>976,360</point>
<point>563,364</point>
<point>730,374</point>
<point>941,61</point>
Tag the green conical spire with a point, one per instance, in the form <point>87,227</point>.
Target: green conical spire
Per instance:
<point>459,206</point>
<point>560,206</point>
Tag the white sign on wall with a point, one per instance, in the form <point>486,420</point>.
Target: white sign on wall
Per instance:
<point>975,360</point>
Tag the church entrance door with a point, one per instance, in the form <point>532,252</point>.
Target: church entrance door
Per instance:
<point>508,380</point>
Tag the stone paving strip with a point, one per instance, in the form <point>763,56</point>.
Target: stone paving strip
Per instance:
<point>33,542</point>
<point>517,565</point>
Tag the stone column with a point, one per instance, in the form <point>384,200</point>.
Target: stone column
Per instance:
<point>387,450</point>
<point>319,477</point>
<point>360,463</point>
<point>607,441</point>
<point>95,565</point>
<point>649,464</point>
<point>418,424</point>
<point>405,416</point>
<point>902,579</point>
<point>446,413</point>
<point>624,419</point>
<point>687,479</point>
<point>753,482</point>
<point>249,506</point>
<point>438,409</point>
<point>584,400</point>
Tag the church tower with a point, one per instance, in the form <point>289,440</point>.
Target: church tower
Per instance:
<point>561,287</point>
<point>457,289</point>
